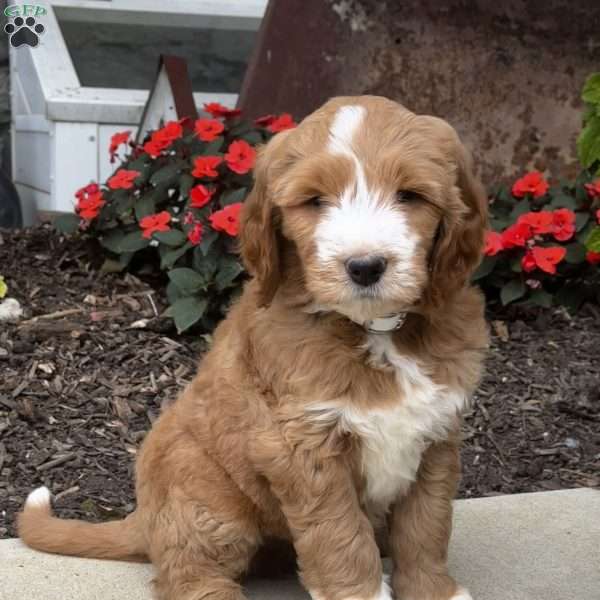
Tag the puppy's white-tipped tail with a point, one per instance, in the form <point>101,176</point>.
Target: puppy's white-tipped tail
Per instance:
<point>39,498</point>
<point>39,529</point>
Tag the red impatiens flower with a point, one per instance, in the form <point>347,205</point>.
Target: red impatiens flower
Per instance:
<point>563,226</point>
<point>188,219</point>
<point>87,190</point>
<point>531,183</point>
<point>545,259</point>
<point>240,157</point>
<point>593,189</point>
<point>493,243</point>
<point>195,234</point>
<point>122,179</point>
<point>200,196</point>
<point>162,138</point>
<point>227,219</point>
<point>516,235</point>
<point>540,222</point>
<point>205,166</point>
<point>153,223</point>
<point>89,206</point>
<point>276,123</point>
<point>593,257</point>
<point>115,141</point>
<point>208,129</point>
<point>218,110</point>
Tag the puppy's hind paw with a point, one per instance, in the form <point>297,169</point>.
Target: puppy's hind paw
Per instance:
<point>462,594</point>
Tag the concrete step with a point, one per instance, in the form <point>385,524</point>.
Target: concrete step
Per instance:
<point>543,546</point>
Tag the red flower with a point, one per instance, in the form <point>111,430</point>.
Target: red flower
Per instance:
<point>218,110</point>
<point>563,224</point>
<point>531,183</point>
<point>240,156</point>
<point>188,219</point>
<point>227,219</point>
<point>493,243</point>
<point>172,131</point>
<point>200,196</point>
<point>205,166</point>
<point>545,259</point>
<point>593,189</point>
<point>163,138</point>
<point>516,235</point>
<point>115,141</point>
<point>281,123</point>
<point>155,147</point>
<point>89,206</point>
<point>593,257</point>
<point>85,191</point>
<point>208,129</point>
<point>153,223</point>
<point>540,222</point>
<point>122,179</point>
<point>195,234</point>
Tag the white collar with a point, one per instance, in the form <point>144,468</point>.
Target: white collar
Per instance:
<point>385,324</point>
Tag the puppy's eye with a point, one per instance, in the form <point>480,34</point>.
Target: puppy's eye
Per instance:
<point>315,201</point>
<point>408,196</point>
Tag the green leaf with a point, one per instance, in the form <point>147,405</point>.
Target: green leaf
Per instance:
<point>562,200</point>
<point>485,267</point>
<point>145,206</point>
<point>592,242</point>
<point>588,143</point>
<point>208,238</point>
<point>581,220</point>
<point>119,242</point>
<point>575,253</point>
<point>252,137</point>
<point>512,291</point>
<point>540,297</point>
<point>591,89</point>
<point>167,175</point>
<point>173,237</point>
<point>112,241</point>
<point>213,148</point>
<point>515,265</point>
<point>133,241</point>
<point>233,196</point>
<point>187,280</point>
<point>67,224</point>
<point>170,257</point>
<point>520,209</point>
<point>205,264</point>
<point>187,311</point>
<point>186,183</point>
<point>229,269</point>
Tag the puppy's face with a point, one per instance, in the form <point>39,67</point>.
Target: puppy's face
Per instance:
<point>364,190</point>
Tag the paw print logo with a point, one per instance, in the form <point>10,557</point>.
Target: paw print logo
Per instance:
<point>24,32</point>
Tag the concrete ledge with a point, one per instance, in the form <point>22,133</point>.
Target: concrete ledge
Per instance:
<point>542,546</point>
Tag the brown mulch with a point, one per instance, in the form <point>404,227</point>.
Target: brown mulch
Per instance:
<point>86,371</point>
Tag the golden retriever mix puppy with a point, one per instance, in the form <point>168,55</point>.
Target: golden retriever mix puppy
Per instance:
<point>329,406</point>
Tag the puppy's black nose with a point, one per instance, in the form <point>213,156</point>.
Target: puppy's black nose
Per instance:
<point>366,270</point>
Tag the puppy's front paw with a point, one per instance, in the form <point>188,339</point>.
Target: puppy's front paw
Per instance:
<point>462,594</point>
<point>385,593</point>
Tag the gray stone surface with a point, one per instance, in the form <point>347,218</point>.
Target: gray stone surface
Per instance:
<point>543,546</point>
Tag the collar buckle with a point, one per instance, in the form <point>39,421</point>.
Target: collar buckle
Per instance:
<point>386,324</point>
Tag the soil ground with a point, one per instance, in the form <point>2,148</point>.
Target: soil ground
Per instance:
<point>88,368</point>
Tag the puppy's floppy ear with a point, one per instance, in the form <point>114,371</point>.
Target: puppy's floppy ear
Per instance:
<point>459,242</point>
<point>259,232</point>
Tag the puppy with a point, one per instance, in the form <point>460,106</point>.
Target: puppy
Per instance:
<point>329,406</point>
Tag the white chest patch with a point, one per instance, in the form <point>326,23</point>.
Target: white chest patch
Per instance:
<point>393,439</point>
